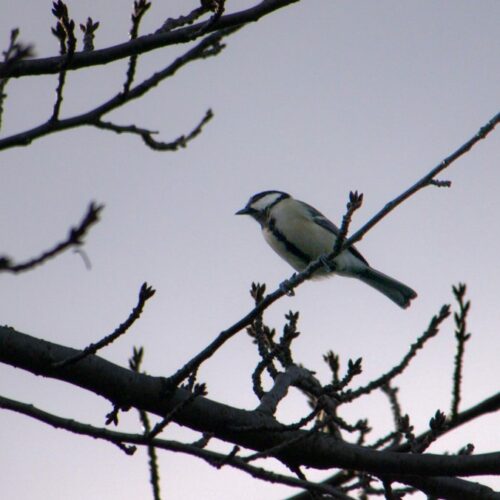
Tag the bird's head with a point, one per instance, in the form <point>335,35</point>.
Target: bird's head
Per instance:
<point>259,204</point>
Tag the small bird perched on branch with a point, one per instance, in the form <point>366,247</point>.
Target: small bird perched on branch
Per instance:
<point>300,234</point>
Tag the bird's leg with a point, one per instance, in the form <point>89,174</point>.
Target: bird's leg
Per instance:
<point>328,265</point>
<point>286,286</point>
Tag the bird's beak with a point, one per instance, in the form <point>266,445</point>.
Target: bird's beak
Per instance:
<point>243,211</point>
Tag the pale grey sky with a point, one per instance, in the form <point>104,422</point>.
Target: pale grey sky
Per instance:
<point>317,99</point>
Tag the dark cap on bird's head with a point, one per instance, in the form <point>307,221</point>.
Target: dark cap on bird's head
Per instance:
<point>261,202</point>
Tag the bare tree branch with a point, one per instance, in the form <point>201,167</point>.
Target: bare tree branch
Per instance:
<point>444,487</point>
<point>462,337</point>
<point>154,472</point>
<point>489,405</point>
<point>141,45</point>
<point>147,135</point>
<point>15,52</point>
<point>93,117</point>
<point>213,458</point>
<point>299,278</point>
<point>426,180</point>
<point>431,331</point>
<point>65,33</point>
<point>74,239</point>
<point>145,294</point>
<point>140,8</point>
<point>318,450</point>
<point>89,29</point>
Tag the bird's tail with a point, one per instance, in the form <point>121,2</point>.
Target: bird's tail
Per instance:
<point>391,288</point>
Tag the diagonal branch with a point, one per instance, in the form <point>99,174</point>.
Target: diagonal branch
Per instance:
<point>213,458</point>
<point>74,239</point>
<point>431,331</point>
<point>145,294</point>
<point>299,278</point>
<point>426,180</point>
<point>318,450</point>
<point>93,117</point>
<point>147,135</point>
<point>462,337</point>
<point>141,45</point>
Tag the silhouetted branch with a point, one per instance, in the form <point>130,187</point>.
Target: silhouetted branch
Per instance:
<point>431,331</point>
<point>217,6</point>
<point>284,289</point>
<point>147,135</point>
<point>291,376</point>
<point>175,23</point>
<point>426,180</point>
<point>489,405</point>
<point>354,203</point>
<point>141,45</point>
<point>154,474</point>
<point>203,49</point>
<point>74,239</point>
<point>140,8</point>
<point>318,450</point>
<point>462,337</point>
<point>145,294</point>
<point>297,279</point>
<point>89,29</point>
<point>353,368</point>
<point>65,33</point>
<point>395,437</point>
<point>198,390</point>
<point>15,52</point>
<point>119,438</point>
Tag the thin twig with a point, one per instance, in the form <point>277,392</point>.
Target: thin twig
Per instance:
<point>333,362</point>
<point>65,33</point>
<point>431,331</point>
<point>154,474</point>
<point>279,447</point>
<point>354,368</point>
<point>354,203</point>
<point>391,393</point>
<point>218,7</point>
<point>178,22</point>
<point>15,52</point>
<point>263,337</point>
<point>211,457</point>
<point>269,299</point>
<point>89,29</point>
<point>425,181</point>
<point>119,384</point>
<point>437,426</point>
<point>145,293</point>
<point>74,239</point>
<point>489,405</point>
<point>198,390</point>
<point>93,117</point>
<point>147,135</point>
<point>143,44</point>
<point>297,279</point>
<point>462,337</point>
<point>140,8</point>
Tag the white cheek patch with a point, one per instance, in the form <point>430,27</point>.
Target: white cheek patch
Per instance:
<point>262,203</point>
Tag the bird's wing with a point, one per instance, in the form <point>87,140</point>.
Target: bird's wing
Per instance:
<point>327,224</point>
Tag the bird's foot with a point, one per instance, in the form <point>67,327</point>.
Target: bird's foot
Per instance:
<point>286,287</point>
<point>328,265</point>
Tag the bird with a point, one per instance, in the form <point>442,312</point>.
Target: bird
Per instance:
<point>300,234</point>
